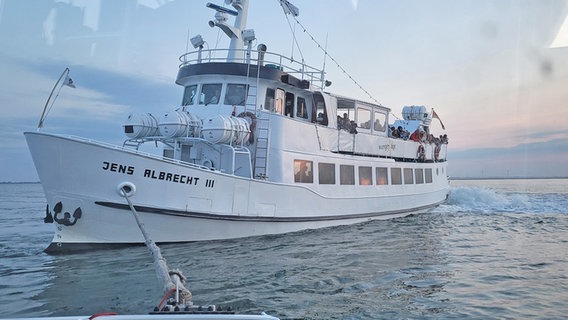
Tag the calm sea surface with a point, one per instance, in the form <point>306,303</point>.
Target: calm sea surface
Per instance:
<point>497,249</point>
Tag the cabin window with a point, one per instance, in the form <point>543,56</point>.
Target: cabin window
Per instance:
<point>408,177</point>
<point>320,111</point>
<point>365,176</point>
<point>380,120</point>
<point>428,173</point>
<point>345,113</point>
<point>326,173</point>
<point>210,93</point>
<point>184,154</point>
<point>236,94</point>
<point>289,104</point>
<point>396,176</point>
<point>346,107</point>
<point>382,176</point>
<point>346,174</point>
<point>168,153</point>
<point>301,109</point>
<point>419,175</point>
<point>279,102</point>
<point>303,171</point>
<point>364,118</point>
<point>189,95</point>
<point>269,100</point>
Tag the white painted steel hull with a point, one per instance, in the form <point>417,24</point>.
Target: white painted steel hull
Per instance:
<point>179,202</point>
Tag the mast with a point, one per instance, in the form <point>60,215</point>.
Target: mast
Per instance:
<point>235,32</point>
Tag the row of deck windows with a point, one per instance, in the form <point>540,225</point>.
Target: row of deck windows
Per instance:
<point>236,94</point>
<point>309,108</point>
<point>326,174</point>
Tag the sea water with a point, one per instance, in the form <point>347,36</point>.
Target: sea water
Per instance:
<point>496,249</point>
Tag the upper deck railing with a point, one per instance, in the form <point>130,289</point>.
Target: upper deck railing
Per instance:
<point>298,69</point>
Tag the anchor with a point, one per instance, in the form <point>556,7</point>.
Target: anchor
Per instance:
<point>66,220</point>
<point>48,217</point>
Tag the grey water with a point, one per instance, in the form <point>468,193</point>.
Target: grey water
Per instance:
<point>496,249</point>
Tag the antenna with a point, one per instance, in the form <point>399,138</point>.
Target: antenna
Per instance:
<point>323,82</point>
<point>221,9</point>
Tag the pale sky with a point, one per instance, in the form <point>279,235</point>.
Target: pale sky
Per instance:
<point>496,71</point>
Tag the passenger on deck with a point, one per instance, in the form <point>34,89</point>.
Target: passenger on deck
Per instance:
<point>418,135</point>
<point>404,134</point>
<point>352,127</point>
<point>377,125</point>
<point>394,133</point>
<point>344,123</point>
<point>415,136</point>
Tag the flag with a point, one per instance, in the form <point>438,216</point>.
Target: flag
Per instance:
<point>435,115</point>
<point>289,8</point>
<point>68,82</point>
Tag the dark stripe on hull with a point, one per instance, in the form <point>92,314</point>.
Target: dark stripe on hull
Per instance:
<point>210,216</point>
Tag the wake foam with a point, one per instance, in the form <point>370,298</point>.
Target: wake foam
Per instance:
<point>483,200</point>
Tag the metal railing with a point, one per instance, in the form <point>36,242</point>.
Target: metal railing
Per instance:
<point>299,69</point>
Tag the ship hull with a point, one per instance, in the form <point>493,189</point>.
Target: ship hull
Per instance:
<point>181,202</point>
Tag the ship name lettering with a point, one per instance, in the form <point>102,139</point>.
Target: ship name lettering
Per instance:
<point>116,167</point>
<point>168,176</point>
<point>387,147</point>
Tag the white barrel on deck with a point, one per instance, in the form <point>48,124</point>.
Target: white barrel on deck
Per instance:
<point>175,124</point>
<point>414,113</point>
<point>140,125</point>
<point>225,129</point>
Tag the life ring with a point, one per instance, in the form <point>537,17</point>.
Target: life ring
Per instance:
<point>421,153</point>
<point>252,123</point>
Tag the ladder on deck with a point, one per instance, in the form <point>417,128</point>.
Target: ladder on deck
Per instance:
<point>261,127</point>
<point>262,143</point>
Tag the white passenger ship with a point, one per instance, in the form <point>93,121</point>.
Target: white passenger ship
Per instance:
<point>256,147</point>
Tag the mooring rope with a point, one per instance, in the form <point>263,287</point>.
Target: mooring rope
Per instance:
<point>167,278</point>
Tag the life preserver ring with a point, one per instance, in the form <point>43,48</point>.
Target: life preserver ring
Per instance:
<point>421,153</point>
<point>251,118</point>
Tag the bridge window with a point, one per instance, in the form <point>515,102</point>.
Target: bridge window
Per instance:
<point>236,94</point>
<point>210,93</point>
<point>269,100</point>
<point>189,95</point>
<point>279,103</point>
<point>289,105</point>
<point>301,109</point>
